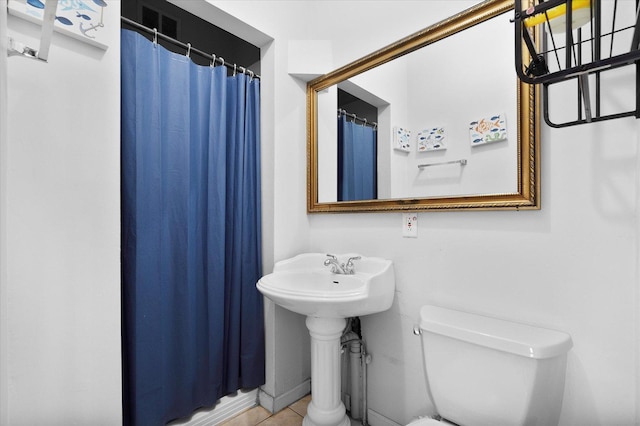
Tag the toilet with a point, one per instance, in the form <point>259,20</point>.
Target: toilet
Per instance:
<point>487,371</point>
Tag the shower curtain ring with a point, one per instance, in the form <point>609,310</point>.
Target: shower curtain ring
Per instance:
<point>221,59</point>
<point>365,122</point>
<point>188,50</point>
<point>234,70</point>
<point>213,60</point>
<point>155,36</point>
<point>251,74</point>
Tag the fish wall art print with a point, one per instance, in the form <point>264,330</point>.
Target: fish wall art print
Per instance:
<point>401,139</point>
<point>489,129</point>
<point>431,139</point>
<point>80,19</point>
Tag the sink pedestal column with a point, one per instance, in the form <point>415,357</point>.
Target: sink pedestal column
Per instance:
<point>326,407</point>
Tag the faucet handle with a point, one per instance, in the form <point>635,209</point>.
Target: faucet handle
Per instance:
<point>330,257</point>
<point>349,265</point>
<point>351,259</point>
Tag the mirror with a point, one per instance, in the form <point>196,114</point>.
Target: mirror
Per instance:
<point>454,127</point>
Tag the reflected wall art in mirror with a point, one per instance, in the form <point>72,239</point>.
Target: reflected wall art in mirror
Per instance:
<point>435,121</point>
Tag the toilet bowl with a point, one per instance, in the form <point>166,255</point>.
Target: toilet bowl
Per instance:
<point>487,371</point>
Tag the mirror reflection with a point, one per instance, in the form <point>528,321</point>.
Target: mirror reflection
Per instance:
<point>436,127</point>
<point>357,142</point>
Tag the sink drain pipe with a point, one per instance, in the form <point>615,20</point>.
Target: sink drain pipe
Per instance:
<point>357,379</point>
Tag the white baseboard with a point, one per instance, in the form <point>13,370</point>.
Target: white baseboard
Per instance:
<point>226,408</point>
<point>275,404</point>
<point>377,419</point>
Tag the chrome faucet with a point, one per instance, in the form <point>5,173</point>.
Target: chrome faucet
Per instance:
<point>337,268</point>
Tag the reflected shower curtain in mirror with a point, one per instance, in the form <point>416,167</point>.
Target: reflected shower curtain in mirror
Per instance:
<point>192,317</point>
<point>357,161</point>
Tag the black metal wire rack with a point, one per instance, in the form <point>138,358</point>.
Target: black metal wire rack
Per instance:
<point>560,42</point>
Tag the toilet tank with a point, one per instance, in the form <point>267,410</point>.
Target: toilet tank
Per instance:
<point>487,371</point>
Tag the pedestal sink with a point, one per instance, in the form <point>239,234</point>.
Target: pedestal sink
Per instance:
<point>304,285</point>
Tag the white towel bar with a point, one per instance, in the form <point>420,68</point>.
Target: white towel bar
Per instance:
<point>462,162</point>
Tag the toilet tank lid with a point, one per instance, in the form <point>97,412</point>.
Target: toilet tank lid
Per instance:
<point>506,336</point>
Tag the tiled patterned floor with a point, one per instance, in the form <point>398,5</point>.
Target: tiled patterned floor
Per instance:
<point>290,416</point>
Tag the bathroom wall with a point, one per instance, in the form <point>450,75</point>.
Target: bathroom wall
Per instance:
<point>572,266</point>
<point>60,231</point>
<point>4,382</point>
<point>485,50</point>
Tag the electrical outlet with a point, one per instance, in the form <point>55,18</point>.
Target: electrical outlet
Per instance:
<point>410,225</point>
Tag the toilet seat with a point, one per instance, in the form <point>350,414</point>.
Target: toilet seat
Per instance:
<point>429,422</point>
<point>425,422</point>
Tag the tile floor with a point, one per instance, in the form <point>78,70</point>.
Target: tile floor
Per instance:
<point>290,416</point>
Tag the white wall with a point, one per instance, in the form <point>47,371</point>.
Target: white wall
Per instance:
<point>485,50</point>
<point>61,204</point>
<point>4,382</point>
<point>572,265</point>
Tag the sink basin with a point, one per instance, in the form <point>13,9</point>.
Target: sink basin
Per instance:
<point>304,285</point>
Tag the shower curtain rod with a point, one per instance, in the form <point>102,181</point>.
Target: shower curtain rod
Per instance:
<point>189,48</point>
<point>355,117</point>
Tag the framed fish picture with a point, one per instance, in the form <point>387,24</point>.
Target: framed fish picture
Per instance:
<point>401,139</point>
<point>431,139</point>
<point>488,130</point>
<point>80,19</point>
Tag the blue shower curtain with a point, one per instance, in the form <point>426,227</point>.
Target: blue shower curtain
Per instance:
<point>192,317</point>
<point>357,161</point>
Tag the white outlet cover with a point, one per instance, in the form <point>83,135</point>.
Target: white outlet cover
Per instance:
<point>410,225</point>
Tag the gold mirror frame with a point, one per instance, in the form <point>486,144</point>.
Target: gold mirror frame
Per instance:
<point>528,186</point>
